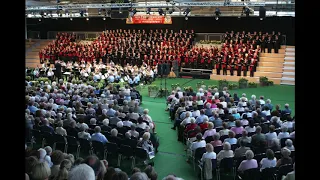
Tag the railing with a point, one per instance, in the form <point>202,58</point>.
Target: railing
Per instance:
<point>33,34</point>
<point>79,35</point>
<point>218,37</point>
<point>86,35</point>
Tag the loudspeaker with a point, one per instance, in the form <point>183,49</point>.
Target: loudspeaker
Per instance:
<point>163,69</point>
<point>166,68</point>
<point>262,12</point>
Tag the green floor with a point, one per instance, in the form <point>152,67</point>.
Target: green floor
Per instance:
<point>171,157</point>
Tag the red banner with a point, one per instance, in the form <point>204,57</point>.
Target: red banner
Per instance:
<point>149,19</point>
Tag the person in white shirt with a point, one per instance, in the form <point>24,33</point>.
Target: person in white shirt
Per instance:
<point>222,101</point>
<point>284,133</point>
<point>210,131</point>
<point>83,134</point>
<point>262,102</point>
<point>266,111</point>
<point>199,143</point>
<point>60,130</point>
<point>195,112</point>
<point>251,127</point>
<point>271,135</point>
<point>268,162</point>
<point>141,124</point>
<point>133,115</point>
<point>186,120</point>
<point>127,123</point>
<point>200,92</point>
<point>244,97</point>
<point>209,154</point>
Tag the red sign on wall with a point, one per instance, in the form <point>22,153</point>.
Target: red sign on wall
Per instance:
<point>149,19</point>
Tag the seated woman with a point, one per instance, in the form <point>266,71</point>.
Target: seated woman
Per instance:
<point>209,154</point>
<point>271,135</point>
<point>268,162</point>
<point>210,131</point>
<point>224,130</point>
<point>238,128</point>
<point>249,163</point>
<point>147,145</point>
<point>244,137</point>
<point>235,114</point>
<point>216,140</point>
<point>226,152</point>
<point>199,143</point>
<point>275,145</point>
<point>289,145</point>
<point>208,110</point>
<point>231,139</point>
<point>285,159</point>
<point>60,130</point>
<point>284,133</point>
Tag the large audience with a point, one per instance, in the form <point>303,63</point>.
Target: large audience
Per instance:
<point>220,126</point>
<point>112,116</point>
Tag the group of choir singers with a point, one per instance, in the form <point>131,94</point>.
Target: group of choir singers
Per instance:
<point>240,51</point>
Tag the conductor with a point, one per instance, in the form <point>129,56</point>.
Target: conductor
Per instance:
<point>57,72</point>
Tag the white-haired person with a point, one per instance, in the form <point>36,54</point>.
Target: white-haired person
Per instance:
<point>253,100</point>
<point>249,163</point>
<point>275,145</point>
<point>284,133</point>
<point>81,172</point>
<point>269,161</point>
<point>146,144</point>
<point>285,159</point>
<point>41,171</point>
<point>47,157</point>
<point>242,102</point>
<point>105,125</point>
<point>209,154</point>
<point>60,130</point>
<point>226,152</point>
<point>43,157</point>
<point>200,92</point>
<point>198,143</point>
<point>289,145</point>
<point>286,110</point>
<point>146,117</point>
<point>211,131</point>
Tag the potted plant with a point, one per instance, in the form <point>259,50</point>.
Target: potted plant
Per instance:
<point>153,90</point>
<point>243,83</point>
<point>263,81</point>
<point>232,86</point>
<point>28,78</point>
<point>252,85</point>
<point>270,83</point>
<point>174,86</point>
<point>213,86</point>
<point>223,83</point>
